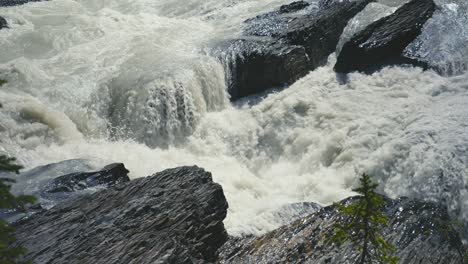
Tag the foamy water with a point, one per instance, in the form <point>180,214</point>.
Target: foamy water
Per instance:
<point>134,82</point>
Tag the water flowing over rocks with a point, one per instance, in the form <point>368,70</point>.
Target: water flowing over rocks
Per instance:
<point>383,42</point>
<point>282,46</point>
<point>174,216</point>
<point>419,230</point>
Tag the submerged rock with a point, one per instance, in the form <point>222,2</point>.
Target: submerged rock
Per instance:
<point>174,216</point>
<point>383,42</point>
<point>110,175</point>
<point>282,46</point>
<point>3,23</point>
<point>4,3</point>
<point>49,184</point>
<point>420,231</point>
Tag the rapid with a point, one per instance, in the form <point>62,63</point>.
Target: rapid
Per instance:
<point>136,81</point>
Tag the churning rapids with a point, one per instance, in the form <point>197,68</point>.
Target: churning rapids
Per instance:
<point>135,81</point>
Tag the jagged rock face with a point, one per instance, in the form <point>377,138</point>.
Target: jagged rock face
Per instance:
<point>419,230</point>
<point>383,42</point>
<point>174,216</point>
<point>282,46</point>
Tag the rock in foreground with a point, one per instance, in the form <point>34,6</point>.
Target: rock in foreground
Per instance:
<point>383,42</point>
<point>174,216</point>
<point>419,230</point>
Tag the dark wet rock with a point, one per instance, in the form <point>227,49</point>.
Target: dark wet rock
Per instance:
<point>319,33</point>
<point>383,42</point>
<point>110,175</point>
<point>4,3</point>
<point>284,45</point>
<point>264,65</point>
<point>174,216</point>
<point>419,230</point>
<point>3,23</point>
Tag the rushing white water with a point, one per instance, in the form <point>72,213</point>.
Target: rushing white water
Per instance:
<point>134,82</point>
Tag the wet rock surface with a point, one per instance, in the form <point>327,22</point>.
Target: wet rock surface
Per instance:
<point>420,231</point>
<point>284,45</point>
<point>174,216</point>
<point>383,42</point>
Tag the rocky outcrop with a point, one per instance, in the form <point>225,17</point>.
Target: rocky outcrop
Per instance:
<point>3,23</point>
<point>383,42</point>
<point>282,46</point>
<point>420,231</point>
<point>174,216</point>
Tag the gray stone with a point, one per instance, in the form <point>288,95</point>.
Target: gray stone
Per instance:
<point>174,216</point>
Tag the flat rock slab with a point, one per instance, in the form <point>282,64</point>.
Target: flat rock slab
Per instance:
<point>383,42</point>
<point>420,231</point>
<point>174,216</point>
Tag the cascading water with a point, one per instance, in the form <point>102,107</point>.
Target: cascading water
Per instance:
<point>134,82</point>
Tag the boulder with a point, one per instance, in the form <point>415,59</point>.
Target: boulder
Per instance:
<point>284,45</point>
<point>263,65</point>
<point>421,232</point>
<point>383,42</point>
<point>174,216</point>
